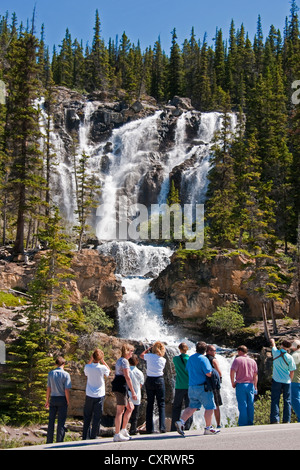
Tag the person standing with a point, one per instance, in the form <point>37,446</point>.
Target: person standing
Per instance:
<point>216,382</point>
<point>283,373</point>
<point>199,368</point>
<point>120,386</point>
<point>181,386</point>
<point>244,378</point>
<point>57,400</point>
<point>155,384</point>
<point>295,385</point>
<point>95,394</point>
<point>137,378</point>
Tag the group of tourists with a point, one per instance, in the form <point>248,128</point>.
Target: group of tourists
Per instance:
<point>198,384</point>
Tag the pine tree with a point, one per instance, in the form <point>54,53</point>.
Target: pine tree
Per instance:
<point>219,59</point>
<point>158,73</point>
<point>65,64</point>
<point>231,63</point>
<point>24,382</point>
<point>258,47</point>
<point>4,168</point>
<point>98,60</point>
<point>254,211</point>
<point>175,68</point>
<point>295,173</point>
<point>23,133</point>
<point>222,186</point>
<point>147,69</point>
<point>190,54</point>
<point>122,63</point>
<point>48,291</point>
<point>87,196</point>
<point>79,82</point>
<point>203,92</point>
<point>173,197</point>
<point>52,322</point>
<point>268,115</point>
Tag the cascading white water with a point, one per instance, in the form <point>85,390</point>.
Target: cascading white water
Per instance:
<point>196,176</point>
<point>134,149</point>
<point>140,313</point>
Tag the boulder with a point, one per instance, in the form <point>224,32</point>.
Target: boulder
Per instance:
<point>182,103</point>
<point>94,277</point>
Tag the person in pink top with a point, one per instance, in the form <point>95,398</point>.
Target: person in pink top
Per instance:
<point>243,375</point>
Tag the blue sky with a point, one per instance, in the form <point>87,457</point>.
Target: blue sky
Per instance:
<point>146,20</point>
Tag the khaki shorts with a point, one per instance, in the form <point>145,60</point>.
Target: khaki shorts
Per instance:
<point>122,398</point>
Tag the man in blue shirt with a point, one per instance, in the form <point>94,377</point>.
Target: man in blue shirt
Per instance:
<point>283,373</point>
<point>199,368</point>
<point>58,386</point>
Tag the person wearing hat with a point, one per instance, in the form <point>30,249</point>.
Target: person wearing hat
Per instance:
<point>295,385</point>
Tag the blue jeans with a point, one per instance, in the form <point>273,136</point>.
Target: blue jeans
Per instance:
<point>245,398</point>
<point>155,388</point>
<point>181,396</point>
<point>92,410</point>
<point>59,407</point>
<point>276,390</point>
<point>295,389</point>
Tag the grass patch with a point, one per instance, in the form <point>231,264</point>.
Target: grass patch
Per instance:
<point>11,300</point>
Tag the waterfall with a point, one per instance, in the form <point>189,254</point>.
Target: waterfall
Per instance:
<point>131,151</point>
<point>134,148</point>
<point>140,313</point>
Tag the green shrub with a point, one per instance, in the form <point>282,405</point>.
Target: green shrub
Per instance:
<point>95,317</point>
<point>227,319</point>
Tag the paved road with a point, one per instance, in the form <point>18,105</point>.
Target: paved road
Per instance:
<point>145,447</point>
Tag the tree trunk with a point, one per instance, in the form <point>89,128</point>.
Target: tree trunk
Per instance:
<point>19,242</point>
<point>298,265</point>
<point>275,331</point>
<point>264,315</point>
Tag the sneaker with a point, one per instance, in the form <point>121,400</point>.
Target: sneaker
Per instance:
<point>125,433</point>
<point>210,431</point>
<point>180,427</point>
<point>120,438</point>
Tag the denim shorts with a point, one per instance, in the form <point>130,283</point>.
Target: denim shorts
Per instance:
<point>198,397</point>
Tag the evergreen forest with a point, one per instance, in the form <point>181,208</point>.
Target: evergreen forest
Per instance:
<point>253,195</point>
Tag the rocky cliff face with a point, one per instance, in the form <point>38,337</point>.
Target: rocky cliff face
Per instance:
<point>139,145</point>
<point>192,288</point>
<point>94,278</point>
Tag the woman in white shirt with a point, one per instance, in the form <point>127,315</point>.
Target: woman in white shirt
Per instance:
<point>95,393</point>
<point>155,384</point>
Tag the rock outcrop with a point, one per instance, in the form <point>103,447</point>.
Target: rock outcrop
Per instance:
<point>108,113</point>
<point>192,288</point>
<point>93,277</point>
